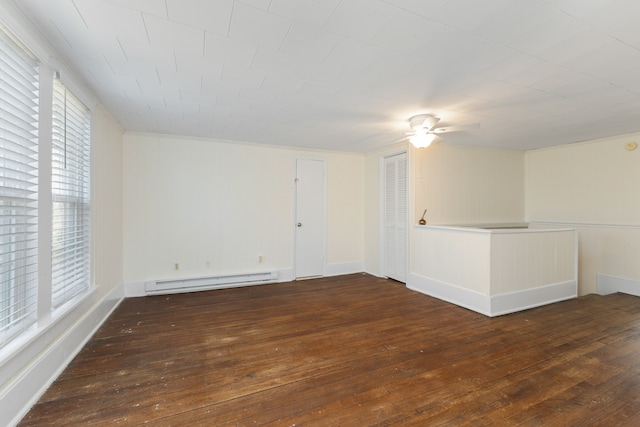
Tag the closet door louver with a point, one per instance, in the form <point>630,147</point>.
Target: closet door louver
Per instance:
<point>395,217</point>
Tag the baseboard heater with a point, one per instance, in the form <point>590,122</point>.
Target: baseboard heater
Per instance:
<point>171,286</point>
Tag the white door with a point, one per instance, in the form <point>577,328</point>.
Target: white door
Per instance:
<point>310,214</point>
<point>395,217</point>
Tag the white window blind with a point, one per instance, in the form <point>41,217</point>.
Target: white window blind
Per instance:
<point>70,186</point>
<point>18,187</point>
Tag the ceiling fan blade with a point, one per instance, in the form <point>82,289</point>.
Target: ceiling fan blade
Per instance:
<point>403,139</point>
<point>447,129</point>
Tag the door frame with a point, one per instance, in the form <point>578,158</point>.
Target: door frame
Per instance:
<point>381,203</point>
<point>295,213</point>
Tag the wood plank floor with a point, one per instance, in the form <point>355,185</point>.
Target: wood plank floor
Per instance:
<point>351,351</point>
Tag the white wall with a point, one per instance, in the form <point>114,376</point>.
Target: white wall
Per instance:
<point>592,186</point>
<point>462,185</point>
<point>457,185</point>
<point>591,182</point>
<point>215,207</point>
<point>107,203</point>
<point>345,210</point>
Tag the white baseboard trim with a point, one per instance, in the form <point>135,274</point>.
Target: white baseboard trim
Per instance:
<point>286,275</point>
<point>134,289</point>
<point>342,268</point>
<point>535,297</point>
<point>610,285</point>
<point>495,305</point>
<point>471,300</point>
<point>378,275</point>
<point>38,371</point>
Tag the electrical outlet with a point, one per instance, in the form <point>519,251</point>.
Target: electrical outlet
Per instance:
<point>259,259</point>
<point>176,266</point>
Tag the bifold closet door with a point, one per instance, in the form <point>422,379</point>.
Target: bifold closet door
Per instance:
<point>395,217</point>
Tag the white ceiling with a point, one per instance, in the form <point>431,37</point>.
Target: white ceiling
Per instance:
<point>347,74</point>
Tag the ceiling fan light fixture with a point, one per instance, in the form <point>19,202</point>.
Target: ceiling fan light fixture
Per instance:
<point>422,140</point>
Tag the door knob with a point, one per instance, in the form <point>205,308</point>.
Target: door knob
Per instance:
<point>299,224</point>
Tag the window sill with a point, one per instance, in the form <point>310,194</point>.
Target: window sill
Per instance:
<point>39,336</point>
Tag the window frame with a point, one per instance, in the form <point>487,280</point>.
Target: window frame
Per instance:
<point>70,194</point>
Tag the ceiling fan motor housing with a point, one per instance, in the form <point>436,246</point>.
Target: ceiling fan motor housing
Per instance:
<point>423,121</point>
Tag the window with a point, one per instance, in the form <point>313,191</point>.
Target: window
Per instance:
<point>18,187</point>
<point>70,192</point>
<point>42,211</point>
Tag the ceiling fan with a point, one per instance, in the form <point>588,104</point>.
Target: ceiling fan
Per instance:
<point>423,130</point>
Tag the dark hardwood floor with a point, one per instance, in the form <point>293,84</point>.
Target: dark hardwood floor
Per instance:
<point>352,351</point>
